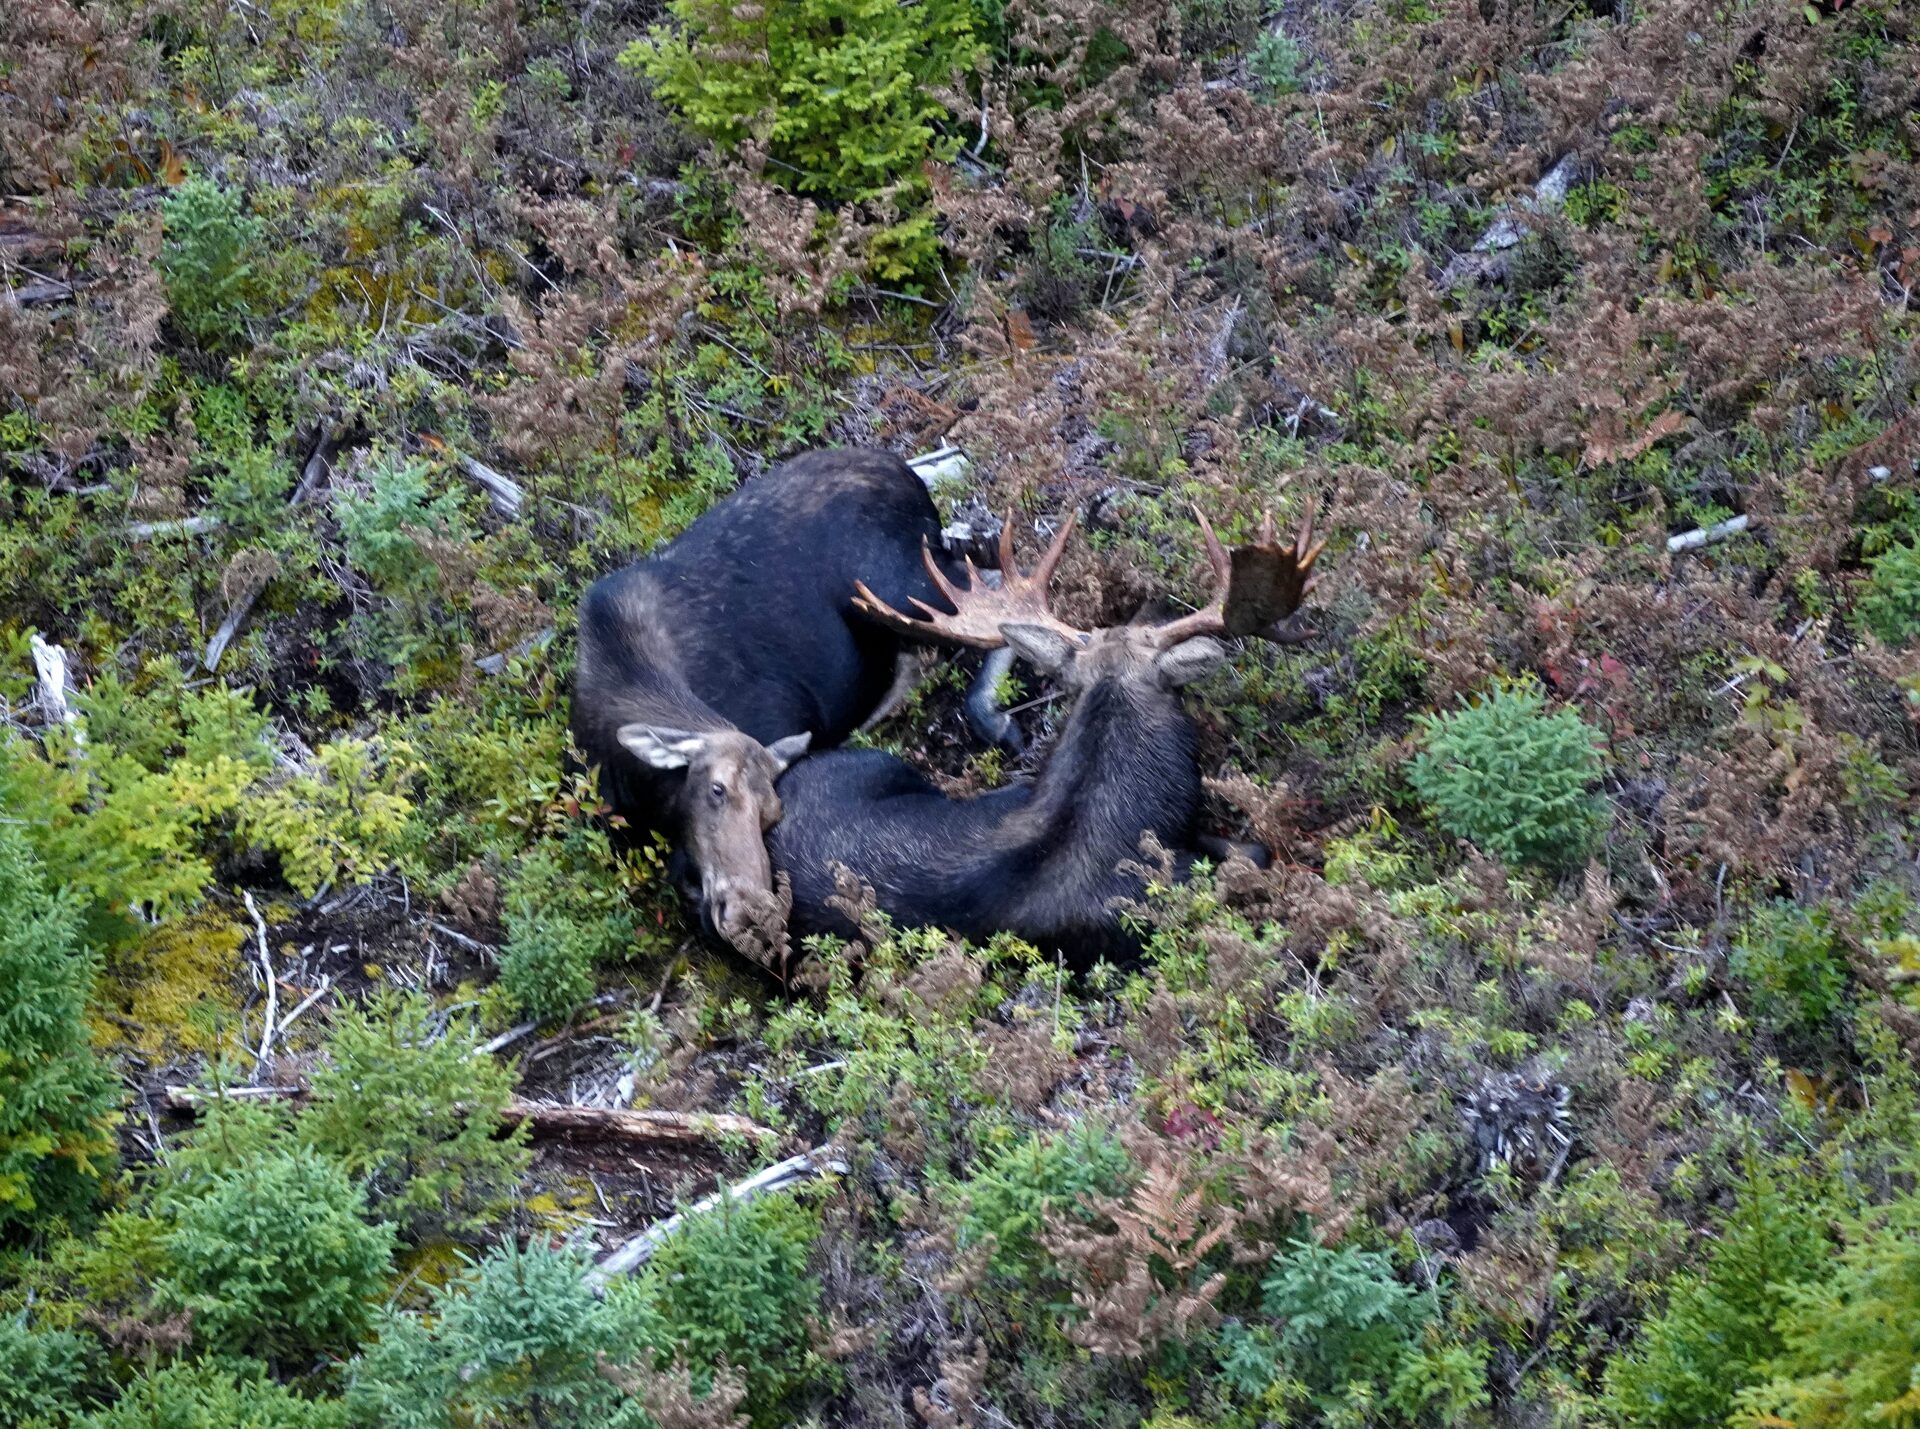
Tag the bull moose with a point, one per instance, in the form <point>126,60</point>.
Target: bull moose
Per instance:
<point>707,668</point>
<point>1042,860</point>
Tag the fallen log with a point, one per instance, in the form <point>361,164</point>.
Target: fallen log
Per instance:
<point>599,1123</point>
<point>544,1119</point>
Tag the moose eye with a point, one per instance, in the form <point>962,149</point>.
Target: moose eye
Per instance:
<point>718,792</point>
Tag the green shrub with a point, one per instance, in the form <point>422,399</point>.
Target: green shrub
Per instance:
<point>733,1286</point>
<point>546,966</point>
<point>1718,1325</point>
<point>841,91</point>
<point>1849,1355</point>
<point>516,1340</point>
<point>42,1372</point>
<point>1794,966</point>
<point>114,831</point>
<point>1344,1319</point>
<point>1889,603</point>
<point>274,1258</point>
<point>1276,62</point>
<point>56,1098</point>
<point>206,237</point>
<point>207,1396</point>
<point>1013,1192</point>
<point>560,921</point>
<point>1511,777</point>
<point>380,526</point>
<point>410,1109</point>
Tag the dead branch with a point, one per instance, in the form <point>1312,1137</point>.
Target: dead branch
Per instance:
<point>273,987</point>
<point>599,1123</point>
<point>631,1254</point>
<point>56,682</point>
<point>1706,535</point>
<point>546,1120</point>
<point>184,526</point>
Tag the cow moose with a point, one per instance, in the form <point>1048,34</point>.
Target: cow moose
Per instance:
<point>1042,859</point>
<point>708,667</point>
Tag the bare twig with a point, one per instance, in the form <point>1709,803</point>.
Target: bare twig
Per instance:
<point>273,987</point>
<point>326,986</point>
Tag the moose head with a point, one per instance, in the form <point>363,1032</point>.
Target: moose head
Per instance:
<point>727,804</point>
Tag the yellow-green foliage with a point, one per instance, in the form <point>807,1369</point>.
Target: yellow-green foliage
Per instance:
<point>114,830</point>
<point>343,819</point>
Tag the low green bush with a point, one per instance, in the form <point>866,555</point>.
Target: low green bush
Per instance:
<point>1889,602</point>
<point>1718,1327</point>
<point>210,1396</point>
<point>206,238</point>
<point>408,1108</point>
<point>42,1372</point>
<point>1794,967</point>
<point>840,91</point>
<point>1343,1319</point>
<point>56,1097</point>
<point>275,1258</point>
<point>1512,777</point>
<point>1010,1197</point>
<point>1849,1341</point>
<point>733,1287</point>
<point>517,1340</point>
<point>560,921</point>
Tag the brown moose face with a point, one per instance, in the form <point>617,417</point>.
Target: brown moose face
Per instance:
<point>728,803</point>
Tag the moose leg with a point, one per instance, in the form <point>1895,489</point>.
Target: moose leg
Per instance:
<point>906,673</point>
<point>1219,850</point>
<point>989,722</point>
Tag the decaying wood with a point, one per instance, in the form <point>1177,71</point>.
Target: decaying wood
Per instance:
<point>183,526</point>
<point>546,1119</point>
<point>941,464</point>
<point>506,494</point>
<point>631,1254</point>
<point>56,683</point>
<point>1706,535</point>
<point>600,1123</point>
<point>273,986</point>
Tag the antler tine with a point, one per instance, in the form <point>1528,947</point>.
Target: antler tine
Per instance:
<point>979,610</point>
<point>1256,586</point>
<point>1216,553</point>
<point>1043,572</point>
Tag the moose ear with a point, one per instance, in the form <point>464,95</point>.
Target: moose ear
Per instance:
<point>1045,649</point>
<point>785,751</point>
<point>660,748</point>
<point>1188,661</point>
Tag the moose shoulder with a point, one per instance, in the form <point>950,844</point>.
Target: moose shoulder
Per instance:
<point>706,668</point>
<point>1042,860</point>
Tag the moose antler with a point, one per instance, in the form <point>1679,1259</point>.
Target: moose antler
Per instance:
<point>980,610</point>
<point>1256,586</point>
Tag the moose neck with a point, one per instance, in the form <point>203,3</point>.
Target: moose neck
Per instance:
<point>1124,764</point>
